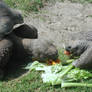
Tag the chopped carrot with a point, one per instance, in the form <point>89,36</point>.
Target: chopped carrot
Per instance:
<point>53,63</point>
<point>57,61</point>
<point>66,52</point>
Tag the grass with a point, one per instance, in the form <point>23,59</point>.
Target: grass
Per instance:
<point>34,5</point>
<point>81,1</point>
<point>32,82</point>
<point>26,5</point>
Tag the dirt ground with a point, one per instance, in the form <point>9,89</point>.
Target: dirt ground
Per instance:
<point>56,20</point>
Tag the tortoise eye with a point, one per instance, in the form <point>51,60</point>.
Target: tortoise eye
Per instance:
<point>68,48</point>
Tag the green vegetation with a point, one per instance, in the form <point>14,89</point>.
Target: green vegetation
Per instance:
<point>32,82</point>
<point>82,1</point>
<point>62,56</point>
<point>34,5</point>
<point>76,85</point>
<point>26,5</point>
<point>62,75</point>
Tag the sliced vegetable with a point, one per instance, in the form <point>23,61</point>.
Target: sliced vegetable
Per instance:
<point>75,85</point>
<point>51,78</point>
<point>67,70</point>
<point>51,62</point>
<point>69,61</point>
<point>55,74</point>
<point>67,53</point>
<point>77,74</point>
<point>34,65</point>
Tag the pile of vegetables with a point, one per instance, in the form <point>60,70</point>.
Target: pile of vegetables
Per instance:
<point>64,75</point>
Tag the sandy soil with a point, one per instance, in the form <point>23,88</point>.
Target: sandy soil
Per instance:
<point>56,20</point>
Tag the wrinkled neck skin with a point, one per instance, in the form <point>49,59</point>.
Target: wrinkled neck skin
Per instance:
<point>89,44</point>
<point>81,45</point>
<point>85,45</point>
<point>85,60</point>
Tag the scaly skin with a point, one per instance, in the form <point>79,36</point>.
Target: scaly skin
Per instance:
<point>8,18</point>
<point>81,46</point>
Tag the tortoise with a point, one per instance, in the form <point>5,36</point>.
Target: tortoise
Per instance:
<point>8,19</point>
<point>81,45</point>
<point>26,43</point>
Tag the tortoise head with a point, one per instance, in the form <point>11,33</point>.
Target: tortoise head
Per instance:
<point>51,52</point>
<point>77,47</point>
<point>17,16</point>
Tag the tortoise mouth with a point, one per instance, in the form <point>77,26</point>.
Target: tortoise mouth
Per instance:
<point>67,52</point>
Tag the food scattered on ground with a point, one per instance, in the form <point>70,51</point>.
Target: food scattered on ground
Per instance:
<point>66,76</point>
<point>57,73</point>
<point>51,62</point>
<point>67,53</point>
